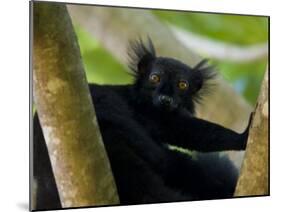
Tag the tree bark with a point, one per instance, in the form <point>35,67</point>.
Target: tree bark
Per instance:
<point>253,178</point>
<point>78,157</point>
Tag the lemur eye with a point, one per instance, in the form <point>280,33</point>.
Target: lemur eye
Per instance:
<point>183,85</point>
<point>154,78</point>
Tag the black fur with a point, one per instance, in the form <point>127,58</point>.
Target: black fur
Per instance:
<point>137,126</point>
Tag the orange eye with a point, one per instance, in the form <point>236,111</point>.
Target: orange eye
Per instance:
<point>154,78</point>
<point>183,85</point>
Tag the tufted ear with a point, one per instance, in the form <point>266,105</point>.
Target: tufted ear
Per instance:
<point>202,73</point>
<point>140,55</point>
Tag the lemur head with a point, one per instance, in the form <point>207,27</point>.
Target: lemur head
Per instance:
<point>165,82</point>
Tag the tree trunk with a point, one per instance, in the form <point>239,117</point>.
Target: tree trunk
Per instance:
<point>78,157</point>
<point>253,178</point>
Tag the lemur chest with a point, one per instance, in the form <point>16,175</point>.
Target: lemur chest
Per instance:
<point>156,127</point>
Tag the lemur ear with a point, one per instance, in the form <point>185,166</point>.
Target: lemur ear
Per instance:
<point>201,74</point>
<point>140,55</point>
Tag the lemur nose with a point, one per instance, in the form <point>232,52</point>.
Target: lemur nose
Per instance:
<point>165,100</point>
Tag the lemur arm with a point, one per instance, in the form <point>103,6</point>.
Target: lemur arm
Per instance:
<point>201,135</point>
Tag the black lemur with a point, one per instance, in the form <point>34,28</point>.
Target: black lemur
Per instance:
<point>140,121</point>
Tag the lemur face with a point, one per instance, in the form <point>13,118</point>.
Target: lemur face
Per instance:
<point>169,83</point>
<point>165,82</point>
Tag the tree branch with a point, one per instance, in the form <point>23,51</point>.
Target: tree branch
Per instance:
<point>220,50</point>
<point>253,178</point>
<point>79,161</point>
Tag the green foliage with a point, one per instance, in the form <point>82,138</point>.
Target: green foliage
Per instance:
<point>100,66</point>
<point>246,77</point>
<point>235,29</point>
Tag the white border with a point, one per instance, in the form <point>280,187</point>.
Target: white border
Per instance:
<point>14,117</point>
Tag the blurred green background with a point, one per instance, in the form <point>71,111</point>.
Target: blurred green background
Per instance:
<point>101,67</point>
